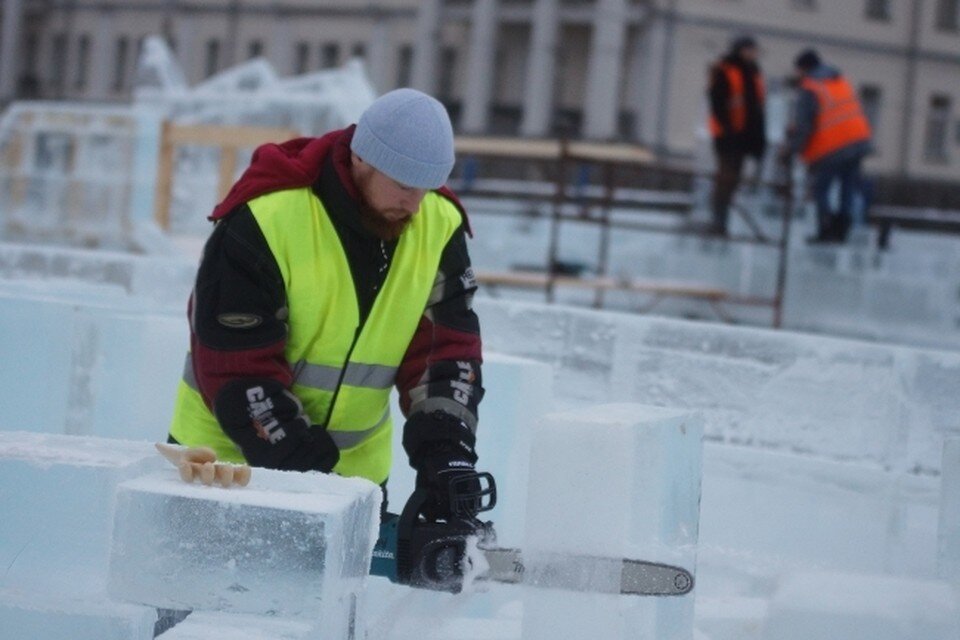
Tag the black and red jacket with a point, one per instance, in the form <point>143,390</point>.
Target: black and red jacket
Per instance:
<point>238,271</point>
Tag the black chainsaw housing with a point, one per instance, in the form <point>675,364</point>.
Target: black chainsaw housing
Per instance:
<point>431,554</point>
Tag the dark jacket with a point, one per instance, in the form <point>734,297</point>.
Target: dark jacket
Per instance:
<point>239,271</point>
<point>753,139</point>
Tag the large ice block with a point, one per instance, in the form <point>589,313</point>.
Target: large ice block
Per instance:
<point>293,545</point>
<point>823,605</point>
<point>948,549</point>
<point>56,497</point>
<point>32,615</point>
<point>210,625</point>
<point>517,394</point>
<point>619,480</point>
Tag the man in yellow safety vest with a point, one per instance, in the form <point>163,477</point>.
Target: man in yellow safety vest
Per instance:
<point>337,270</point>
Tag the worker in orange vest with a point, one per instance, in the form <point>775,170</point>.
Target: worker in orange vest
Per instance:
<point>737,122</point>
<point>832,135</point>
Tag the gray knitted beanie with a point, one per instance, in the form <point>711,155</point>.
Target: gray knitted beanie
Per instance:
<point>407,135</point>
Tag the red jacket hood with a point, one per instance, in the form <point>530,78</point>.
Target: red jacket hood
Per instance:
<point>293,164</point>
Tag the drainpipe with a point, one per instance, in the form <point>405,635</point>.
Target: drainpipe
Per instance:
<point>909,87</point>
<point>669,22</point>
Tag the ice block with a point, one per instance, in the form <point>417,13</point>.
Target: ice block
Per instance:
<point>291,545</point>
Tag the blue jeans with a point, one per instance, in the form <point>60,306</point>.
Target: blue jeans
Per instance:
<point>847,172</point>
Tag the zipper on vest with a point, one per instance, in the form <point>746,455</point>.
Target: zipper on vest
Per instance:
<point>343,372</point>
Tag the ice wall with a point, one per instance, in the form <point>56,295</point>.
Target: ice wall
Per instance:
<point>825,605</point>
<point>838,399</point>
<point>61,489</point>
<point>906,294</point>
<point>619,481</point>
<point>948,549</point>
<point>99,532</point>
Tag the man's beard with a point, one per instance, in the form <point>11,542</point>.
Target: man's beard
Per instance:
<point>379,225</point>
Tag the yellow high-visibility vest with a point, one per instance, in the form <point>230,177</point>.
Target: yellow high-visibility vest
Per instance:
<point>335,361</point>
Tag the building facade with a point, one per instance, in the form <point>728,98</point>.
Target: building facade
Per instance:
<point>601,69</point>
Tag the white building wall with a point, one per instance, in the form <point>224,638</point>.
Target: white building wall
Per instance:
<point>665,53</point>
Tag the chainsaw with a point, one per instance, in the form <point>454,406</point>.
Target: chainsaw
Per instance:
<point>426,553</point>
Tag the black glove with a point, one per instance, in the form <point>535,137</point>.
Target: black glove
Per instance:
<point>267,422</point>
<point>441,449</point>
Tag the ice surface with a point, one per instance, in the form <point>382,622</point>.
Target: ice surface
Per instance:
<point>837,399</point>
<point>824,605</point>
<point>839,443</point>
<point>40,616</point>
<point>734,617</point>
<point>618,480</point>
<point>784,510</point>
<point>949,529</point>
<point>56,494</point>
<point>207,625</point>
<point>294,545</point>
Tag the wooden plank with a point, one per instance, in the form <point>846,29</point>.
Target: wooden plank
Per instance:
<point>619,153</point>
<point>228,167</point>
<point>161,207</point>
<point>532,148</point>
<point>545,149</point>
<point>529,279</point>
<point>227,139</point>
<point>206,135</point>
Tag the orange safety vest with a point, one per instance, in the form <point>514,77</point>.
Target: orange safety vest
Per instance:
<point>737,101</point>
<point>840,120</point>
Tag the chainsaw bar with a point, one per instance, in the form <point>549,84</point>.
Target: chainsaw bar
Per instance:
<point>587,573</point>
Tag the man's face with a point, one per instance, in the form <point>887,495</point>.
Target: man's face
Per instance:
<point>386,206</point>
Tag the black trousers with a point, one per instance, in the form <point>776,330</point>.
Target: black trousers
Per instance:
<point>726,181</point>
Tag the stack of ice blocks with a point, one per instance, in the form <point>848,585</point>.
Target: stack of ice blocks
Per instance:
<point>99,534</point>
<point>56,497</point>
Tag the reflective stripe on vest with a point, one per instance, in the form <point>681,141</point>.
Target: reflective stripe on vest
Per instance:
<point>840,120</point>
<point>333,363</point>
<point>736,101</point>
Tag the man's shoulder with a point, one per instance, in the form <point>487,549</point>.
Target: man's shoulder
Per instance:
<point>446,201</point>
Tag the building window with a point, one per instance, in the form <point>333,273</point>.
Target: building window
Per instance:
<point>446,73</point>
<point>212,62</point>
<point>301,58</point>
<point>948,14</point>
<point>804,5</point>
<point>404,65</point>
<point>870,98</point>
<point>878,10</point>
<point>120,59</point>
<point>83,61</point>
<point>358,51</point>
<point>254,49</point>
<point>938,123</point>
<point>58,61</point>
<point>30,57</point>
<point>329,55</point>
